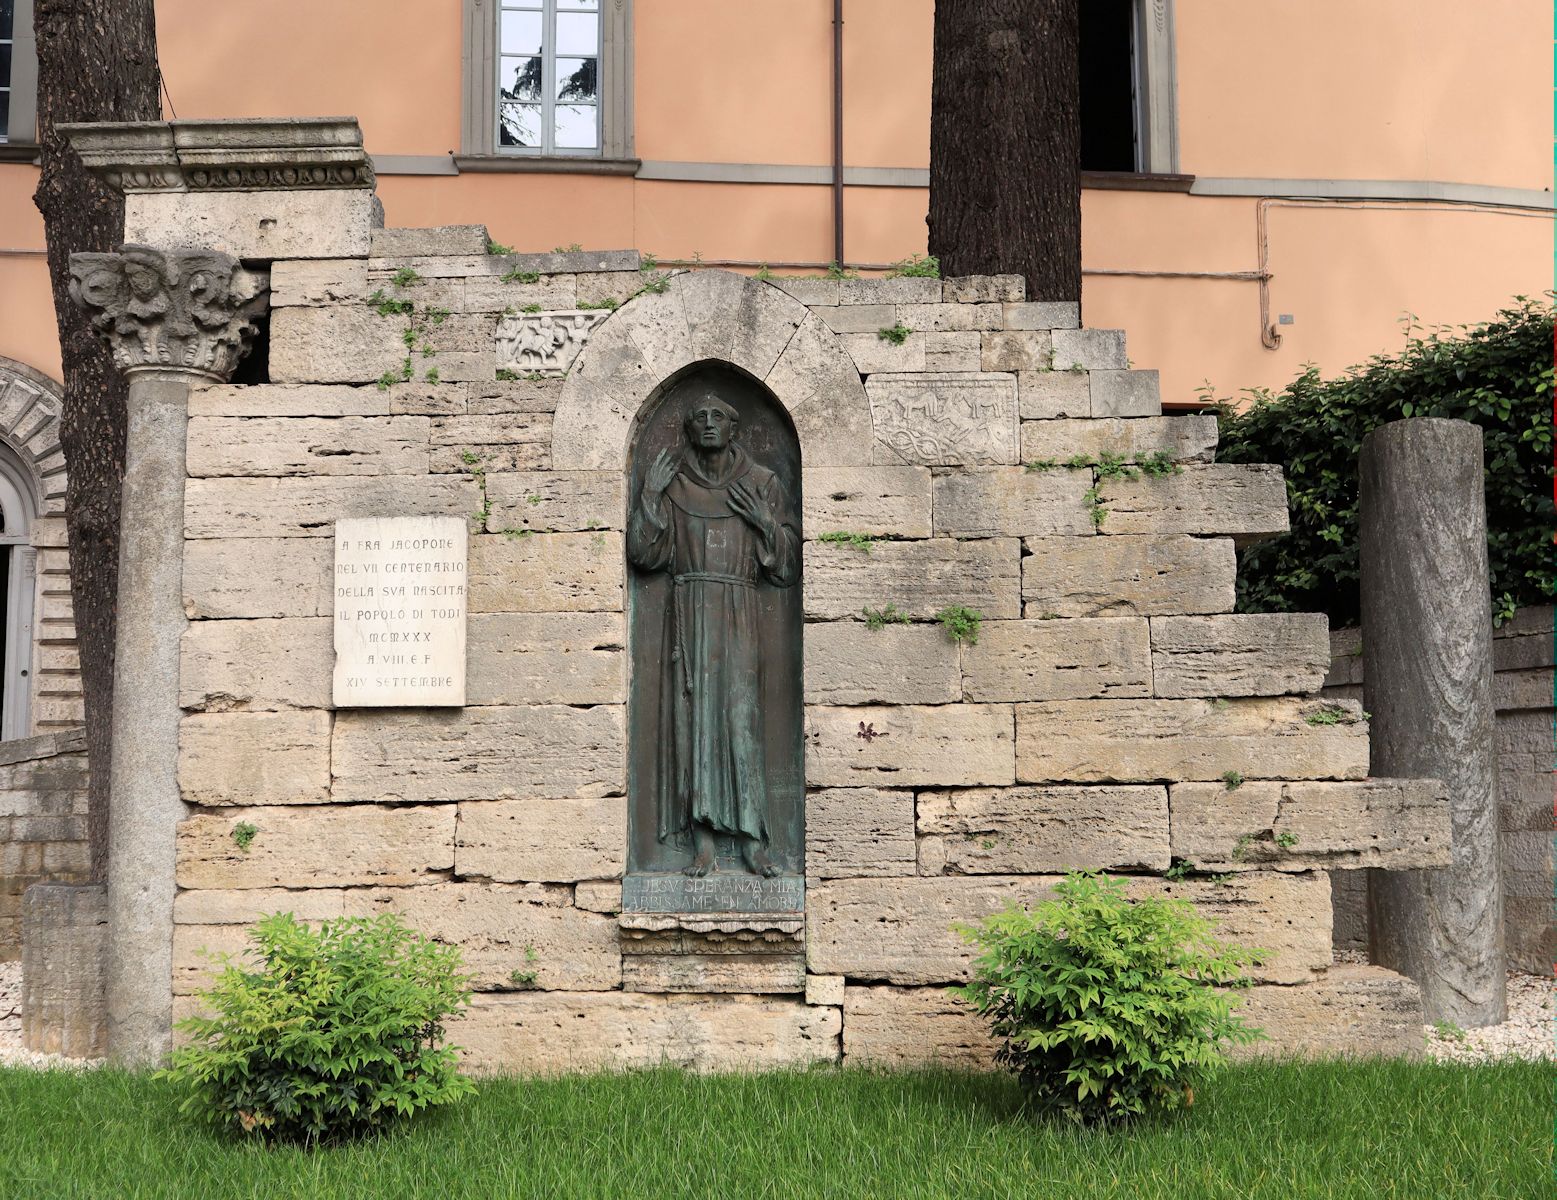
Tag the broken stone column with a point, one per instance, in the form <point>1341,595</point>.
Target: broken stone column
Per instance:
<point>1427,634</point>
<point>63,947</point>
<point>173,319</point>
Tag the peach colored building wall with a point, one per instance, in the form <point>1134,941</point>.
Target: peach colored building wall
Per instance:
<point>1376,101</point>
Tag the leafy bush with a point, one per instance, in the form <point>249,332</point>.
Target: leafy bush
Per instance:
<point>1107,1008</point>
<point>1497,375</point>
<point>336,1033</point>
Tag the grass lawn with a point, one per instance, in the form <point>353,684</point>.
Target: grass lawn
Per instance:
<point>1287,1131</point>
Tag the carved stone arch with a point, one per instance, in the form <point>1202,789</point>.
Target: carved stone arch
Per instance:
<point>712,316</point>
<point>30,404</point>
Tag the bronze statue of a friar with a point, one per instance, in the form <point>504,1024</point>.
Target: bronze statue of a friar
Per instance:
<point>721,526</point>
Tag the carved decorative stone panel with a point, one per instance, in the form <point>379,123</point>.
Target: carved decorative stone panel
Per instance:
<point>544,343</point>
<point>949,418</point>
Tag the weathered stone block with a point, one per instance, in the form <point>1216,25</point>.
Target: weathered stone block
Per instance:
<point>258,577</point>
<point>497,294</point>
<point>914,1027</point>
<point>556,501</point>
<point>910,289</point>
<point>1287,915</point>
<point>479,433</point>
<point>1126,394</point>
<point>1090,349</point>
<point>984,289</point>
<point>258,508</point>
<point>598,895</point>
<point>332,846</point>
<point>354,344</point>
<point>1248,501</point>
<point>996,501</point>
<point>260,664</point>
<point>547,572</point>
<point>873,353</point>
<point>816,380</point>
<point>245,758</point>
<point>1043,315</point>
<point>264,225</point>
<point>64,952</point>
<point>1046,395</point>
<point>502,928</point>
<point>1394,824</point>
<point>824,989</point>
<point>946,745</point>
<point>1081,577</point>
<point>1183,439</point>
<point>891,501</point>
<point>847,663</point>
<point>1264,654</point>
<point>437,240</point>
<point>859,318</point>
<point>1058,660</point>
<point>1091,741</point>
<point>1026,830</point>
<point>228,906</point>
<point>560,840</point>
<point>950,318</point>
<point>308,282</point>
<point>308,446</point>
<point>859,831</point>
<point>532,752</point>
<point>514,395</point>
<point>688,971</point>
<point>546,1032</point>
<point>287,400</point>
<point>952,351</point>
<point>949,418</point>
<point>815,292</point>
<point>1349,1010</point>
<point>901,930</point>
<point>547,658</point>
<point>1016,350</point>
<point>921,578</point>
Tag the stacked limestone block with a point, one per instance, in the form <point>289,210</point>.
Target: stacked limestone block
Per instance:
<point>1092,724</point>
<point>43,823</point>
<point>1522,693</point>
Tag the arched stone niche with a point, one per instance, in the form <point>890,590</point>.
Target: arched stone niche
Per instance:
<point>712,316</point>
<point>713,661</point>
<point>41,678</point>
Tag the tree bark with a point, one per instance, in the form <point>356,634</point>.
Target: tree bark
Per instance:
<point>1005,142</point>
<point>97,61</point>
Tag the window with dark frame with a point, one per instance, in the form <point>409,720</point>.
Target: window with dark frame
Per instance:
<point>1110,105</point>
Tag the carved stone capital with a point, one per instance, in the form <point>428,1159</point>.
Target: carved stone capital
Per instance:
<point>171,310</point>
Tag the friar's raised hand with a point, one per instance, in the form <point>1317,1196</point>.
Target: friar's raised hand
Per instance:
<point>750,506</point>
<point>661,472</point>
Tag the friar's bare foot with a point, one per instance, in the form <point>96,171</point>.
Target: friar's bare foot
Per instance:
<point>701,865</point>
<point>757,860</point>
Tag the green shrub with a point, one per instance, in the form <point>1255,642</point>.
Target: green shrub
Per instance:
<point>1107,1008</point>
<point>337,1031</point>
<point>1497,375</point>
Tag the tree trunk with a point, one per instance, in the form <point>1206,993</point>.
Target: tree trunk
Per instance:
<point>1005,142</point>
<point>97,61</point>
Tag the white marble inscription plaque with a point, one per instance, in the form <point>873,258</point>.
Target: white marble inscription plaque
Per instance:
<point>400,591</point>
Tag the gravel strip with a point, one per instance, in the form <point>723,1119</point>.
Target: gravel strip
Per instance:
<point>1528,1032</point>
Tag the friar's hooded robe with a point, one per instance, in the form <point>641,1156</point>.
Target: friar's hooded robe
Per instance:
<point>711,767</point>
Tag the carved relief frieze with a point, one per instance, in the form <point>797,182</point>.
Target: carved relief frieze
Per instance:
<point>944,419</point>
<point>186,310</point>
<point>544,343</point>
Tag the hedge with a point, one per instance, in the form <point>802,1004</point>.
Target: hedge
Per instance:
<point>1497,375</point>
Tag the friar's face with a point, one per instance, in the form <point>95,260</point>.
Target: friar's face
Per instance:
<point>711,425</point>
